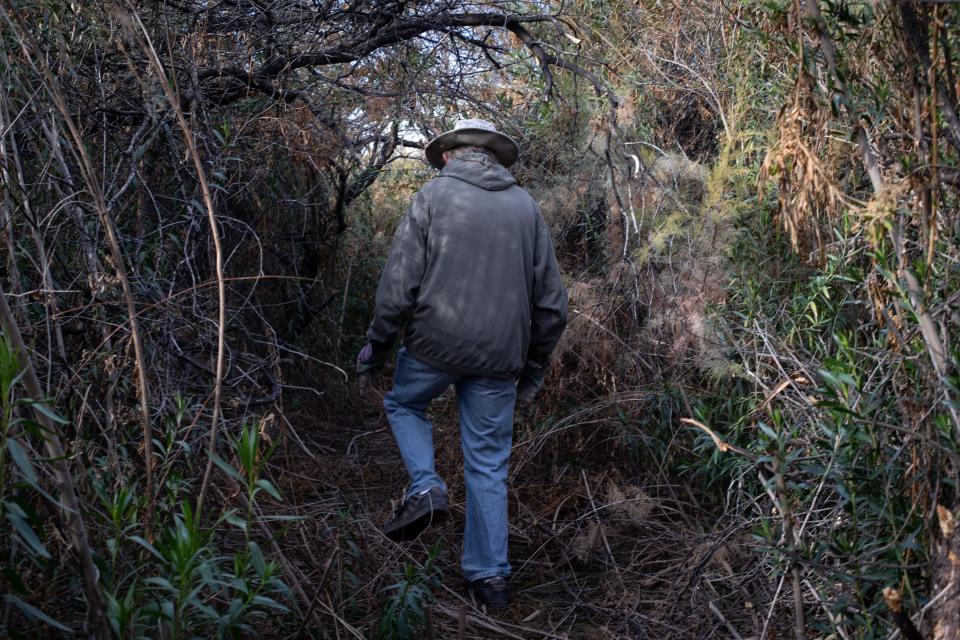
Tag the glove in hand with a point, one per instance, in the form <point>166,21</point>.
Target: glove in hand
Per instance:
<point>530,382</point>
<point>372,357</point>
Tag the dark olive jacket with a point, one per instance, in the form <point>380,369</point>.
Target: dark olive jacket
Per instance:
<point>471,277</point>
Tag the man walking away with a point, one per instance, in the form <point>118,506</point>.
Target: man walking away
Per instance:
<point>473,282</point>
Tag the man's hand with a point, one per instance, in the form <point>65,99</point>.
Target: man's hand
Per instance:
<point>530,382</point>
<point>372,358</point>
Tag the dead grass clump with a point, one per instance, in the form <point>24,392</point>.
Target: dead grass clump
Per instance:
<point>585,543</point>
<point>685,227</point>
<point>586,358</point>
<point>559,203</point>
<point>630,501</point>
<point>687,180</point>
<point>808,195</point>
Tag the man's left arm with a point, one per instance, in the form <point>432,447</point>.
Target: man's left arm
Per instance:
<point>549,313</point>
<point>548,317</point>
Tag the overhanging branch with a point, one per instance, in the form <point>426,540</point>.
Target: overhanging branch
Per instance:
<point>267,78</point>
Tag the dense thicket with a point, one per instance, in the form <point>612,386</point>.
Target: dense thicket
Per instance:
<point>750,428</point>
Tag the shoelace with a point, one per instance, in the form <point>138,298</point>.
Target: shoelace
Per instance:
<point>430,497</point>
<point>408,503</point>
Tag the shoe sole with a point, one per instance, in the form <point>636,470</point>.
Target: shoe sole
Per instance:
<point>411,530</point>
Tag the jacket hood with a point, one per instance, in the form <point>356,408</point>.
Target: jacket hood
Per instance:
<point>478,170</point>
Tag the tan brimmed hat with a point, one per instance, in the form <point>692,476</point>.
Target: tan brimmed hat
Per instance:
<point>478,133</point>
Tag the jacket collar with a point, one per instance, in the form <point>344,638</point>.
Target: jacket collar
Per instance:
<point>477,169</point>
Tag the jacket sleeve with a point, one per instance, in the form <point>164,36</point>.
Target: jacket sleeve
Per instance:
<point>400,281</point>
<point>549,316</point>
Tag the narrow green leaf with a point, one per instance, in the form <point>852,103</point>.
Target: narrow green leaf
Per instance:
<point>47,411</point>
<point>267,486</point>
<point>36,614</point>
<point>18,519</point>
<point>22,460</point>
<point>163,583</point>
<point>237,521</point>
<point>146,545</point>
<point>227,468</point>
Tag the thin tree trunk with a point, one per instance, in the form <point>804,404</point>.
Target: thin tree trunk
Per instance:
<point>10,150</point>
<point>915,33</point>
<point>58,460</point>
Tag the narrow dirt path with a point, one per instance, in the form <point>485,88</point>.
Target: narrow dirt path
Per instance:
<point>602,545</point>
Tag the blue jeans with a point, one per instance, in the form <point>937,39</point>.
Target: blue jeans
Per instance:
<point>486,431</point>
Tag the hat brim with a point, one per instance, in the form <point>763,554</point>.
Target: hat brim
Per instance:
<point>502,146</point>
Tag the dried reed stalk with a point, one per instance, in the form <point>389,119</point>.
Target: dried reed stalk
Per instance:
<point>218,249</point>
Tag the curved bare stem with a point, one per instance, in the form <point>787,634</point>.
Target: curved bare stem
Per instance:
<point>170,93</point>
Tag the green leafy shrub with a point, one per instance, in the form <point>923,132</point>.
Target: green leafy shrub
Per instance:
<point>404,613</point>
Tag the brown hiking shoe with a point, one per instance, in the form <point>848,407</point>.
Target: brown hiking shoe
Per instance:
<point>417,513</point>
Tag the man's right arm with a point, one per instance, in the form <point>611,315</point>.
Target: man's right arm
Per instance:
<point>402,274</point>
